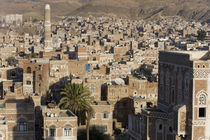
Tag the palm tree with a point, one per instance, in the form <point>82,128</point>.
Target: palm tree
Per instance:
<point>89,115</point>
<point>78,99</point>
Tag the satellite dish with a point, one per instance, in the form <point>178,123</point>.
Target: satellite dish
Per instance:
<point>48,114</point>
<point>119,81</point>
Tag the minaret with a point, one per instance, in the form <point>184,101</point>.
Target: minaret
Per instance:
<point>47,29</point>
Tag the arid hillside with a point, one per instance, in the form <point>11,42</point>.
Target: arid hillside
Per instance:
<point>147,9</point>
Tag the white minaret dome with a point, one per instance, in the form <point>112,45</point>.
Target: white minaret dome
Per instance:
<point>47,6</point>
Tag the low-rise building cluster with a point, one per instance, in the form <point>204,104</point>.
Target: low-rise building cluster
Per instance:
<point>148,78</point>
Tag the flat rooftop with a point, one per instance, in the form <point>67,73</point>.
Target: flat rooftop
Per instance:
<point>58,113</point>
<point>195,55</point>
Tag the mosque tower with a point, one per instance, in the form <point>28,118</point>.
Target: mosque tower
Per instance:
<point>47,29</point>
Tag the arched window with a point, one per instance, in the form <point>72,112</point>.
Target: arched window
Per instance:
<point>52,131</point>
<point>202,99</point>
<point>202,104</point>
<point>68,131</point>
<point>22,125</point>
<point>28,69</point>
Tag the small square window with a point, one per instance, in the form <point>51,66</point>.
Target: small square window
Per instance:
<point>202,112</point>
<point>28,82</point>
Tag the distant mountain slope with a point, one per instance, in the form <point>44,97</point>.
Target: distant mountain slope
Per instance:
<point>147,9</point>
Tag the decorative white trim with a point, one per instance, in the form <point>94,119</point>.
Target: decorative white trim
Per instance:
<point>201,92</point>
<point>71,132</point>
<point>201,72</point>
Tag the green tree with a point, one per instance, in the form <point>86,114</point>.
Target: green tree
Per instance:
<point>78,99</point>
<point>201,35</point>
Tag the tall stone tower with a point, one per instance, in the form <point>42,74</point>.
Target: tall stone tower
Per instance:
<point>47,29</point>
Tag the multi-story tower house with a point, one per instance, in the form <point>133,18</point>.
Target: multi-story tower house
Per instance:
<point>183,91</point>
<point>35,75</point>
<point>183,111</point>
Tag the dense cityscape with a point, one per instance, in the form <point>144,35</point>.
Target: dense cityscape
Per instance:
<point>104,78</point>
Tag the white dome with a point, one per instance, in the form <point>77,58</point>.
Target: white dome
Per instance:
<point>47,6</point>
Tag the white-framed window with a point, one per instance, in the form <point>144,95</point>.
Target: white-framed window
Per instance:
<point>142,86</point>
<point>28,82</point>
<point>134,93</point>
<point>202,99</point>
<point>105,115</point>
<point>92,88</point>
<point>202,104</point>
<point>112,92</point>
<point>68,131</point>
